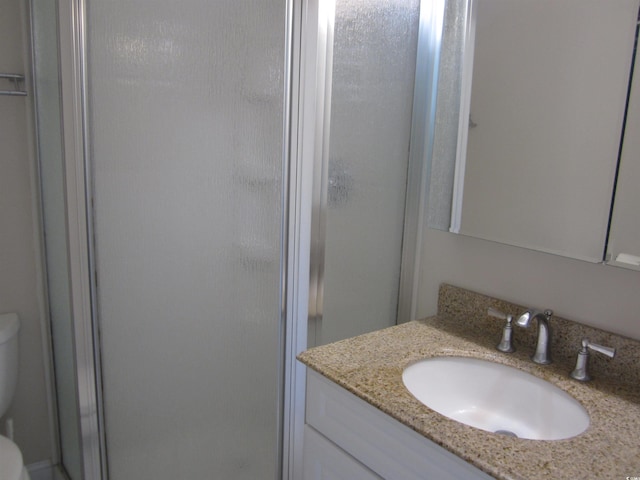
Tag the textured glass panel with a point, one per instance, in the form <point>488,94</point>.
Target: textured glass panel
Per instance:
<point>372,94</point>
<point>45,41</point>
<point>186,133</point>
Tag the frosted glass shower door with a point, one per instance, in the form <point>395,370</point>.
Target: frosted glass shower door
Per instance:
<point>373,69</point>
<point>185,120</point>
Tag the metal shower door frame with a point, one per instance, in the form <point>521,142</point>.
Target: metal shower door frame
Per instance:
<point>294,252</point>
<point>71,18</point>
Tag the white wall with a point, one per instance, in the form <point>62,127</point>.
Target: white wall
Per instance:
<point>20,254</point>
<point>602,296</point>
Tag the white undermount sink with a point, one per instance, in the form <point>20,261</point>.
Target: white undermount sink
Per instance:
<point>496,398</point>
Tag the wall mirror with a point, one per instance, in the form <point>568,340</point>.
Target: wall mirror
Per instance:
<point>531,103</point>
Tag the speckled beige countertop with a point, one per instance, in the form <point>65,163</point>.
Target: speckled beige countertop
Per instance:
<point>371,365</point>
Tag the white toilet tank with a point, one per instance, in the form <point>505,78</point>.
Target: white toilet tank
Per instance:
<point>9,326</point>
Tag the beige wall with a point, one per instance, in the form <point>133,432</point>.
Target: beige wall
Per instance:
<point>20,251</point>
<point>602,296</point>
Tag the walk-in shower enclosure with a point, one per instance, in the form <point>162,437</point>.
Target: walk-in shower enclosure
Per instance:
<point>185,167</point>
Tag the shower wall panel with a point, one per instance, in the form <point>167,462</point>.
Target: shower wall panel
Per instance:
<point>374,56</point>
<point>186,128</point>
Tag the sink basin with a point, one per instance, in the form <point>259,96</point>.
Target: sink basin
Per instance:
<point>496,398</point>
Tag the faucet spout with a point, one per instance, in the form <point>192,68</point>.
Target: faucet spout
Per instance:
<point>541,355</point>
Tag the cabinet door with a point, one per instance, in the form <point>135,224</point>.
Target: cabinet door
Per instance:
<point>623,248</point>
<point>376,440</point>
<point>324,461</point>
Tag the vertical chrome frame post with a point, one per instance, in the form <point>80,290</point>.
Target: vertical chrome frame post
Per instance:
<point>318,82</point>
<point>293,330</point>
<point>302,135</point>
<point>76,149</point>
<point>311,55</point>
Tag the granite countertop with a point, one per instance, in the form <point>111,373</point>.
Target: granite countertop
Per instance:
<point>370,366</point>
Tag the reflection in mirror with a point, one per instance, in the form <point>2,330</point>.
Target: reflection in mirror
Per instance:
<point>541,89</point>
<point>623,247</point>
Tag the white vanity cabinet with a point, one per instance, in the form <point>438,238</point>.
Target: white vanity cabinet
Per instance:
<point>346,438</point>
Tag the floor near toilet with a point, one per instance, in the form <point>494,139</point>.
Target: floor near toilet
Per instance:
<point>45,471</point>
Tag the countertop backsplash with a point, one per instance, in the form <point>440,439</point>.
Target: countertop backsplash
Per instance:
<point>470,308</point>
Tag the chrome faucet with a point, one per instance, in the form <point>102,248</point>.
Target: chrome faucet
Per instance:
<point>541,356</point>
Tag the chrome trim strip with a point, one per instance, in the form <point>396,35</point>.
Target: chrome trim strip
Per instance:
<point>301,179</point>
<point>322,117</point>
<point>99,445</point>
<point>74,94</point>
<point>286,400</point>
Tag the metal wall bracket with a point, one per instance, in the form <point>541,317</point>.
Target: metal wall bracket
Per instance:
<point>17,81</point>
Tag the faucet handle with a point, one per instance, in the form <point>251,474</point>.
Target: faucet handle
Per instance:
<point>580,371</point>
<point>493,312</point>
<point>506,344</point>
<point>608,351</point>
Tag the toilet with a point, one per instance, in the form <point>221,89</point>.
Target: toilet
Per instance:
<point>11,464</point>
